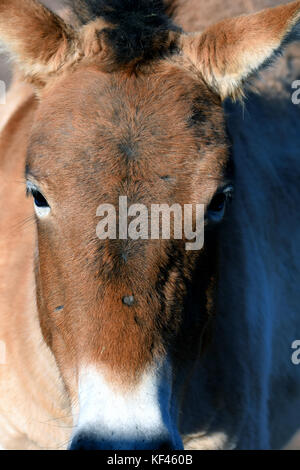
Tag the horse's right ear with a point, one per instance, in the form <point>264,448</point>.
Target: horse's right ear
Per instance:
<point>37,39</point>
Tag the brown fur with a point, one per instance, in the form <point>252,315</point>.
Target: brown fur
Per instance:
<point>30,366</point>
<point>137,148</point>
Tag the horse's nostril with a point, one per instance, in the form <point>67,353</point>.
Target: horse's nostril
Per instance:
<point>87,441</point>
<point>166,446</point>
<point>84,441</point>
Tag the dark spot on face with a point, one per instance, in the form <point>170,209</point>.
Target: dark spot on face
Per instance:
<point>128,300</point>
<point>138,321</point>
<point>207,142</point>
<point>197,117</point>
<point>116,116</point>
<point>218,136</point>
<point>166,178</point>
<point>198,114</point>
<point>59,308</point>
<point>156,131</point>
<point>152,349</point>
<point>128,149</point>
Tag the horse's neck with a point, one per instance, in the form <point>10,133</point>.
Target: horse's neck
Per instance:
<point>31,405</point>
<point>259,274</point>
<point>259,262</point>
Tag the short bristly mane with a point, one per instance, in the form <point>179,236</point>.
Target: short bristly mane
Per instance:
<point>137,29</point>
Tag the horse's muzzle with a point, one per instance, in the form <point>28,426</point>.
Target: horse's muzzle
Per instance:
<point>90,441</point>
<point>136,418</point>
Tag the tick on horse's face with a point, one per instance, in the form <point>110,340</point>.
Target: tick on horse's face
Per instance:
<point>97,137</point>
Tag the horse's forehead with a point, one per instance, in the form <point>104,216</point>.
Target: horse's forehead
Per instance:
<point>120,122</point>
<point>117,100</point>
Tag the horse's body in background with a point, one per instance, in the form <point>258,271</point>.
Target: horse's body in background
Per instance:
<point>244,392</point>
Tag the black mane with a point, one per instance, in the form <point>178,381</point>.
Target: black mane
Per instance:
<point>140,27</point>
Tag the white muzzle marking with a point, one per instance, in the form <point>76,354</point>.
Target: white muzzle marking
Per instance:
<point>126,419</point>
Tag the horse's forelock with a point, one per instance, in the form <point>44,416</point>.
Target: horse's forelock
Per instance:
<point>137,30</point>
<point>88,10</point>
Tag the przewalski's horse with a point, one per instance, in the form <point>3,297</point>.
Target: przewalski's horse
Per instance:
<point>140,344</point>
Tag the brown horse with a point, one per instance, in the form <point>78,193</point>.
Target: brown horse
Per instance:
<point>135,343</point>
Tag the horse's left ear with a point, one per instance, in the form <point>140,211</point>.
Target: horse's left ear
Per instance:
<point>228,52</point>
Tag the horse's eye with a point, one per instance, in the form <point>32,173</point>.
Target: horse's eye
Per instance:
<point>39,199</point>
<point>41,206</point>
<point>218,203</point>
<point>216,208</point>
